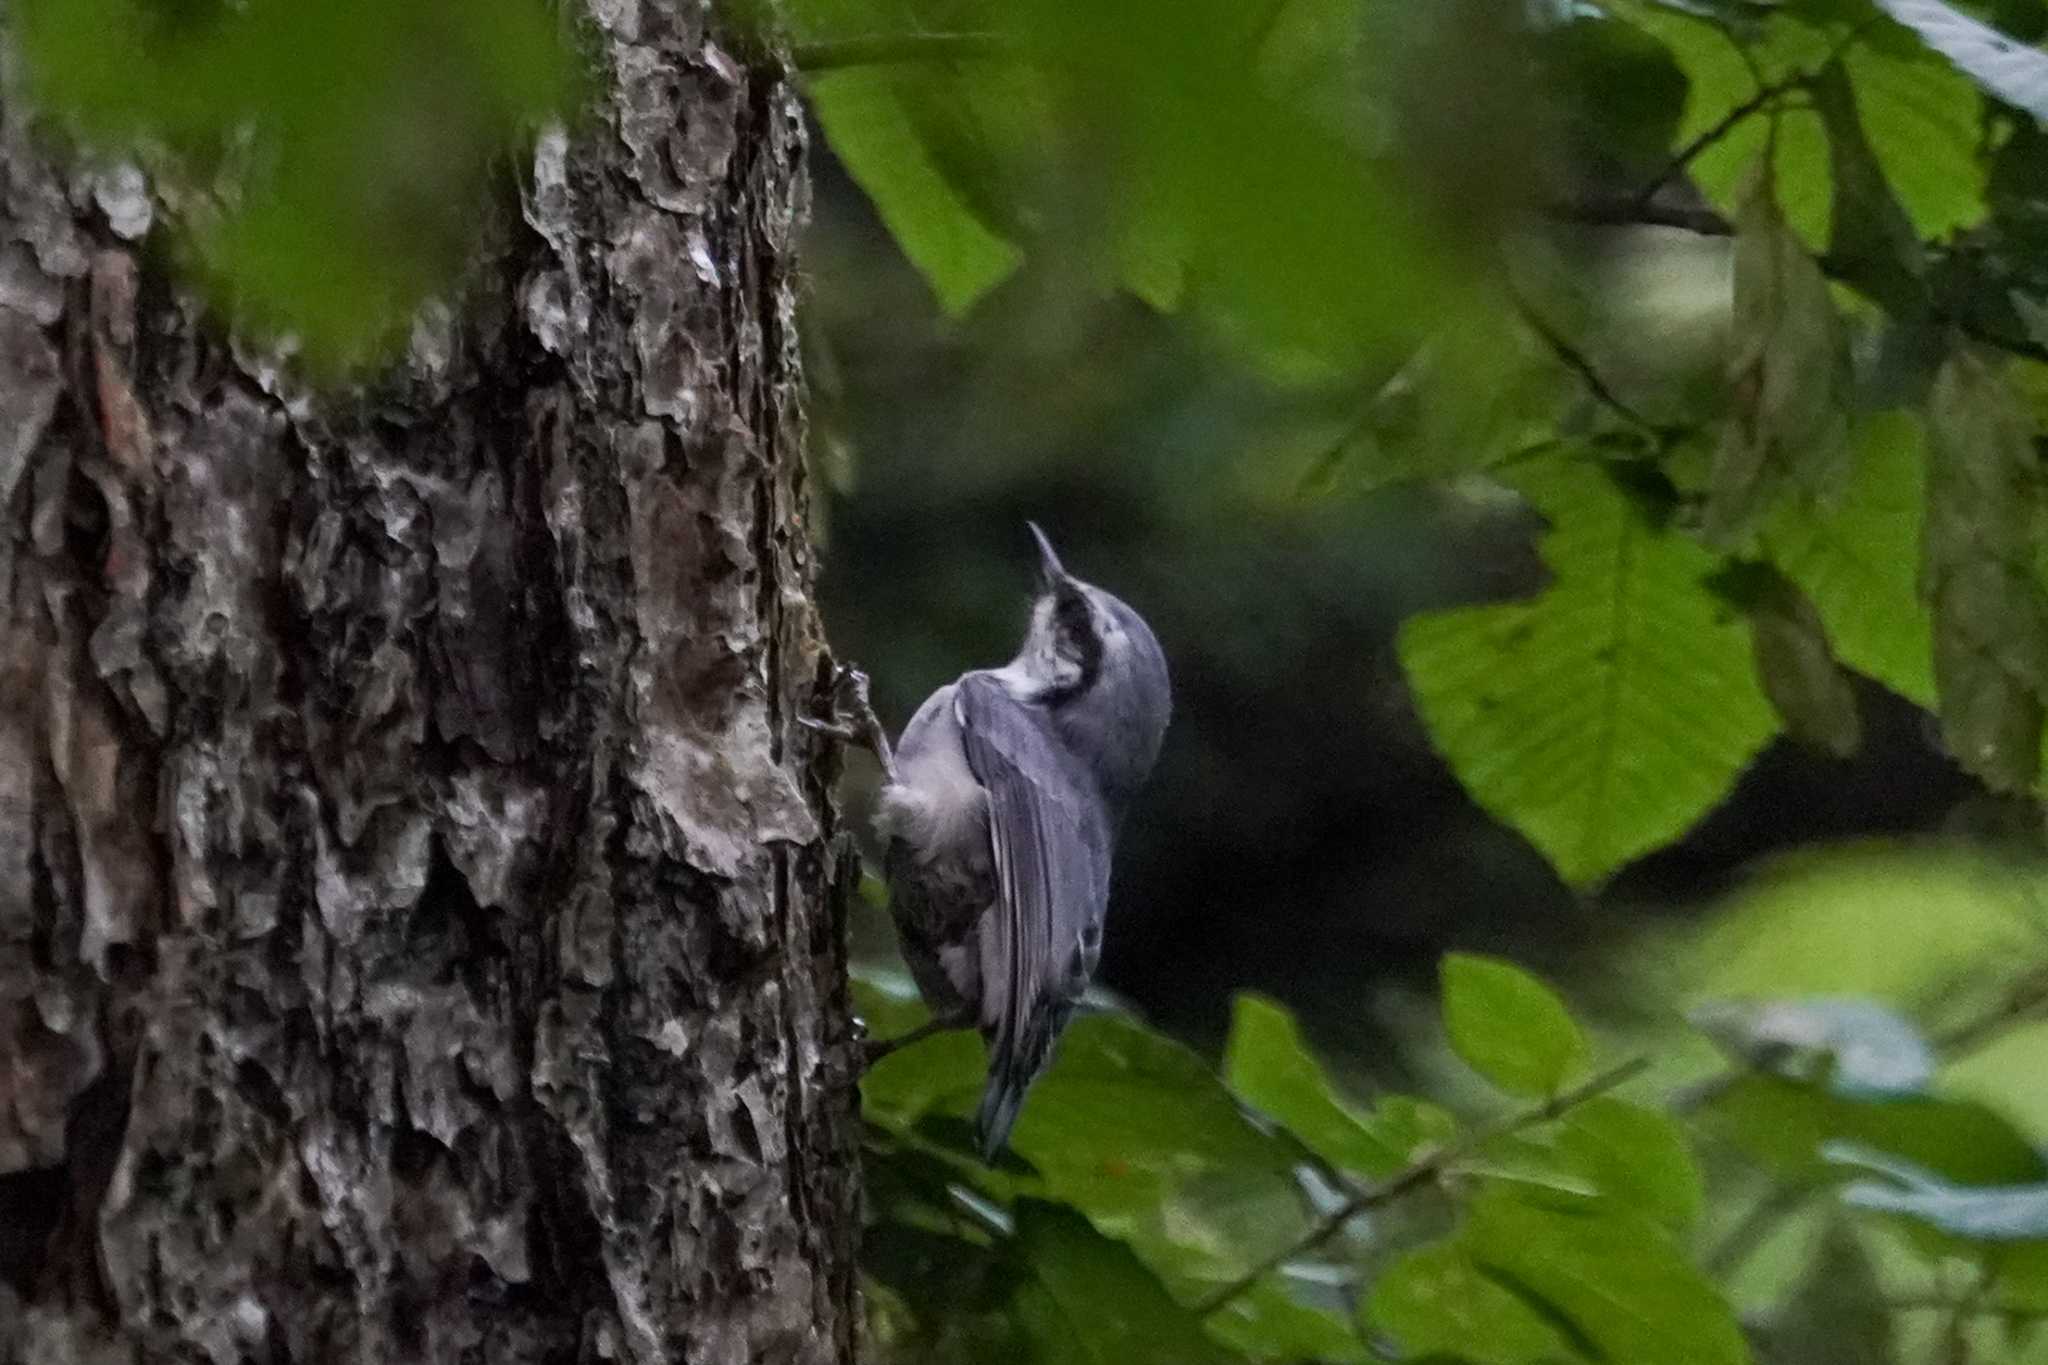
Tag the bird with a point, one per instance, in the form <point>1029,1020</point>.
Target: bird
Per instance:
<point>998,816</point>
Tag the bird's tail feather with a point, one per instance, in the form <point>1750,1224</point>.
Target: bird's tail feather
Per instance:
<point>1014,1063</point>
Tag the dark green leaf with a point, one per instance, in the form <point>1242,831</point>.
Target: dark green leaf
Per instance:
<point>1436,1300</point>
<point>1790,371</point>
<point>1508,1026</point>
<point>1266,1323</point>
<point>1977,572</point>
<point>1784,1123</point>
<point>1605,716</point>
<point>1857,1048</point>
<point>1089,1299</point>
<point>1836,1314</point>
<point>1613,1274</point>
<point>1794,662</point>
<point>2007,1213</point>
<point>1270,1069</point>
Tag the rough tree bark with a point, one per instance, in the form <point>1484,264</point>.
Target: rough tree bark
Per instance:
<point>418,931</point>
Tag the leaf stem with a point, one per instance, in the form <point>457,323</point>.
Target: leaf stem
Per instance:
<point>1723,126</point>
<point>1419,1172</point>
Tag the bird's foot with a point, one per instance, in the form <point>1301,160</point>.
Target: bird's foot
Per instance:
<point>853,720</point>
<point>873,1050</point>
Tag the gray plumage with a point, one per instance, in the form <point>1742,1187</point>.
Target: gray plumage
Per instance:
<point>1000,816</point>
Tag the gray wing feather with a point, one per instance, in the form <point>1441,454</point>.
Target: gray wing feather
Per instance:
<point>1051,846</point>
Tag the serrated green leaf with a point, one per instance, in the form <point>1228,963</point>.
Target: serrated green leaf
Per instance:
<point>1977,572</point>
<point>1613,1274</point>
<point>1437,1301</point>
<point>1789,370</point>
<point>1271,1069</point>
<point>875,137</point>
<point>2008,1213</point>
<point>1508,1026</point>
<point>1605,716</point>
<point>1854,557</point>
<point>1089,1299</point>
<point>1636,1155</point>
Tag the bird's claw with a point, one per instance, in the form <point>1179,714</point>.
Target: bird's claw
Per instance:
<point>854,720</point>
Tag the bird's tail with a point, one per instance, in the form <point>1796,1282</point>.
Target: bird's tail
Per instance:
<point>1014,1063</point>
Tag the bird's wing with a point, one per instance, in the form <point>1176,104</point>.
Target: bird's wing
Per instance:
<point>1051,847</point>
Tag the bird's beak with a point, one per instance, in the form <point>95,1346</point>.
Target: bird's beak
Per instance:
<point>1049,567</point>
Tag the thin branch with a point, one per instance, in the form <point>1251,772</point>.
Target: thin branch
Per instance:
<point>1747,1235</point>
<point>1723,126</point>
<point>885,49</point>
<point>1419,1172</point>
<point>1575,360</point>
<point>2024,999</point>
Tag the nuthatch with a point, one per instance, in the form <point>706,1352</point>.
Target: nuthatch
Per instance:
<point>999,812</point>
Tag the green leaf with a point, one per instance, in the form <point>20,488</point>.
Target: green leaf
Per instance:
<point>1508,1026</point>
<point>1923,122</point>
<point>1873,243</point>
<point>1789,370</point>
<point>1605,716</point>
<point>1437,1301</point>
<point>2010,1213</point>
<point>1977,571</point>
<point>1854,557</point>
<point>1270,1069</point>
<point>1266,1323</point>
<point>1785,1123</point>
<point>1857,1048</point>
<point>366,136</point>
<point>942,1074</point>
<point>1613,1274</point>
<point>2009,69</point>
<point>1089,1299</point>
<point>875,137</point>
<point>1636,1155</point>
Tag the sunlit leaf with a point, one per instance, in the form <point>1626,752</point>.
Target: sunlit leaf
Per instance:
<point>1854,556</point>
<point>1873,243</point>
<point>2009,69</point>
<point>1508,1026</point>
<point>1603,717</point>
<point>1436,1300</point>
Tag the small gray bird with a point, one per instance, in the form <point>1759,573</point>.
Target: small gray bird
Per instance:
<point>999,813</point>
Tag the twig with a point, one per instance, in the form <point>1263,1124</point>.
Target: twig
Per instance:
<point>884,49</point>
<point>1577,362</point>
<point>1747,1235</point>
<point>1723,126</point>
<point>2026,997</point>
<point>1419,1172</point>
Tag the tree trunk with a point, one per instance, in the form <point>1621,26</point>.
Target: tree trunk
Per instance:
<point>419,931</point>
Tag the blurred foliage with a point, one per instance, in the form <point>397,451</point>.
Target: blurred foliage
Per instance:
<point>325,161</point>
<point>1735,308</point>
